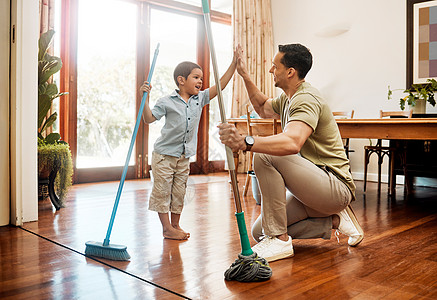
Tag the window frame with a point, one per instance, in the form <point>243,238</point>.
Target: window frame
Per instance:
<point>68,82</point>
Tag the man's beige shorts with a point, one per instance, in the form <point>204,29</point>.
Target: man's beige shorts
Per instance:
<point>170,176</point>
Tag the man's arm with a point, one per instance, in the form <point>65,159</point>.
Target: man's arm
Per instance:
<point>290,141</point>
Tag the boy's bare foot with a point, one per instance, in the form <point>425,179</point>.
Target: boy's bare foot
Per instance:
<point>175,234</point>
<point>177,227</point>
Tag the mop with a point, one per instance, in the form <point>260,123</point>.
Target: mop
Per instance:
<point>248,267</point>
<point>105,249</point>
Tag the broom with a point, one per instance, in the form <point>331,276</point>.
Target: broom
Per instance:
<point>248,267</point>
<point>105,249</point>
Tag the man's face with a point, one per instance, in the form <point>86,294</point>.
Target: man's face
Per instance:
<point>279,71</point>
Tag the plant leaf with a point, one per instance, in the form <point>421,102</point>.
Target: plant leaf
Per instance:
<point>48,67</point>
<point>44,104</point>
<point>49,121</point>
<point>44,43</point>
<point>402,104</point>
<point>431,99</point>
<point>52,89</point>
<point>52,138</point>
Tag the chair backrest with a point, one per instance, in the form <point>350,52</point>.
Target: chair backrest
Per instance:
<point>398,113</point>
<point>249,109</point>
<point>344,114</point>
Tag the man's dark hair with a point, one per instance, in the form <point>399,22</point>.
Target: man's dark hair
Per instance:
<point>298,57</point>
<point>184,69</point>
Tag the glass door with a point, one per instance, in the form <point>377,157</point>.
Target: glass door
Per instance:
<point>107,47</point>
<point>106,87</point>
<point>222,35</point>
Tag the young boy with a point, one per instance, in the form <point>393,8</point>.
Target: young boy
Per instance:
<point>178,141</point>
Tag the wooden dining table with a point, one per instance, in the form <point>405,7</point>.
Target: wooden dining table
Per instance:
<point>388,129</point>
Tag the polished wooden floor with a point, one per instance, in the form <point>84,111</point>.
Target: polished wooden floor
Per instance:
<point>44,259</point>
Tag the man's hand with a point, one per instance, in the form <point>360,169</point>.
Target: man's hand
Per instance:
<point>230,137</point>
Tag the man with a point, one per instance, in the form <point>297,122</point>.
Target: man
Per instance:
<point>307,159</point>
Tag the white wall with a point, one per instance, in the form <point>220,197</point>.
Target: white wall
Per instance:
<point>4,113</point>
<point>24,99</point>
<point>353,69</point>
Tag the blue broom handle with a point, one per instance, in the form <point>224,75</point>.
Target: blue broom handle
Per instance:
<point>132,143</point>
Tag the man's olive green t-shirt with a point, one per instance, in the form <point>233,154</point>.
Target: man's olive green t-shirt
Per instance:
<point>324,147</point>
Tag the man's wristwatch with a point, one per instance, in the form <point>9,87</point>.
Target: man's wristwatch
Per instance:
<point>249,140</point>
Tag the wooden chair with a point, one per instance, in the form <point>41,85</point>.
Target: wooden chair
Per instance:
<point>249,168</point>
<point>249,109</point>
<point>345,115</point>
<point>388,151</point>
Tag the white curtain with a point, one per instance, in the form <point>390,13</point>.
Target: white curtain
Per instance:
<point>252,25</point>
<point>46,15</point>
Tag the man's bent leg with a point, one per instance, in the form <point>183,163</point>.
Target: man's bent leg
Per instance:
<point>318,194</point>
<point>307,228</point>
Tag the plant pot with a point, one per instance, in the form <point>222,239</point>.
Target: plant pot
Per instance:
<point>55,168</point>
<point>420,107</point>
<point>44,173</point>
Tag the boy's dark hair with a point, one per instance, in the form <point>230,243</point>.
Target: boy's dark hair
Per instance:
<point>298,57</point>
<point>184,69</point>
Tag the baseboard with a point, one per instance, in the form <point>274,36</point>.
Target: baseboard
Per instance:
<point>418,181</point>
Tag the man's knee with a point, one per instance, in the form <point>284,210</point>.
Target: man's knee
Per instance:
<point>258,160</point>
<point>257,231</point>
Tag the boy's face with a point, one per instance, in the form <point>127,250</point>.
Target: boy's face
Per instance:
<point>193,83</point>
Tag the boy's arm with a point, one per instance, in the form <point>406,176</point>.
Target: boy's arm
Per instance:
<point>225,78</point>
<point>147,112</point>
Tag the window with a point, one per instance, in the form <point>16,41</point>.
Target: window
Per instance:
<point>105,82</point>
<point>114,48</point>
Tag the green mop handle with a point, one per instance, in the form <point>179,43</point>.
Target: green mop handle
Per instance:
<point>245,245</point>
<point>132,143</point>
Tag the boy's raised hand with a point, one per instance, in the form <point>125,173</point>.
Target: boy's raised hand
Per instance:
<point>241,65</point>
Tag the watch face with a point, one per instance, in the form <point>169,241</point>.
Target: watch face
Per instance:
<point>250,140</point>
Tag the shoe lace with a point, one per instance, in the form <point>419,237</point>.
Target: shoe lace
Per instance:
<point>265,242</point>
<point>337,234</point>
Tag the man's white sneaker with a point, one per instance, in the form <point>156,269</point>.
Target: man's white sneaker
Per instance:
<point>349,226</point>
<point>272,248</point>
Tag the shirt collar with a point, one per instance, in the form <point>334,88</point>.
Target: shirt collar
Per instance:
<point>176,94</point>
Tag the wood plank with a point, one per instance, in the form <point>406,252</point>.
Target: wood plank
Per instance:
<point>403,129</point>
<point>390,129</point>
<point>397,257</point>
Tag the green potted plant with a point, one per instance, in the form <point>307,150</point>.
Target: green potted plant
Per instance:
<point>416,93</point>
<point>55,167</point>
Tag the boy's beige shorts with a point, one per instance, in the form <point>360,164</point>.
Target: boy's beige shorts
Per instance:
<point>170,176</point>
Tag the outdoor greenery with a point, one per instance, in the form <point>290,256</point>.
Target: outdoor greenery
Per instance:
<point>53,154</point>
<point>417,92</point>
<point>104,125</point>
